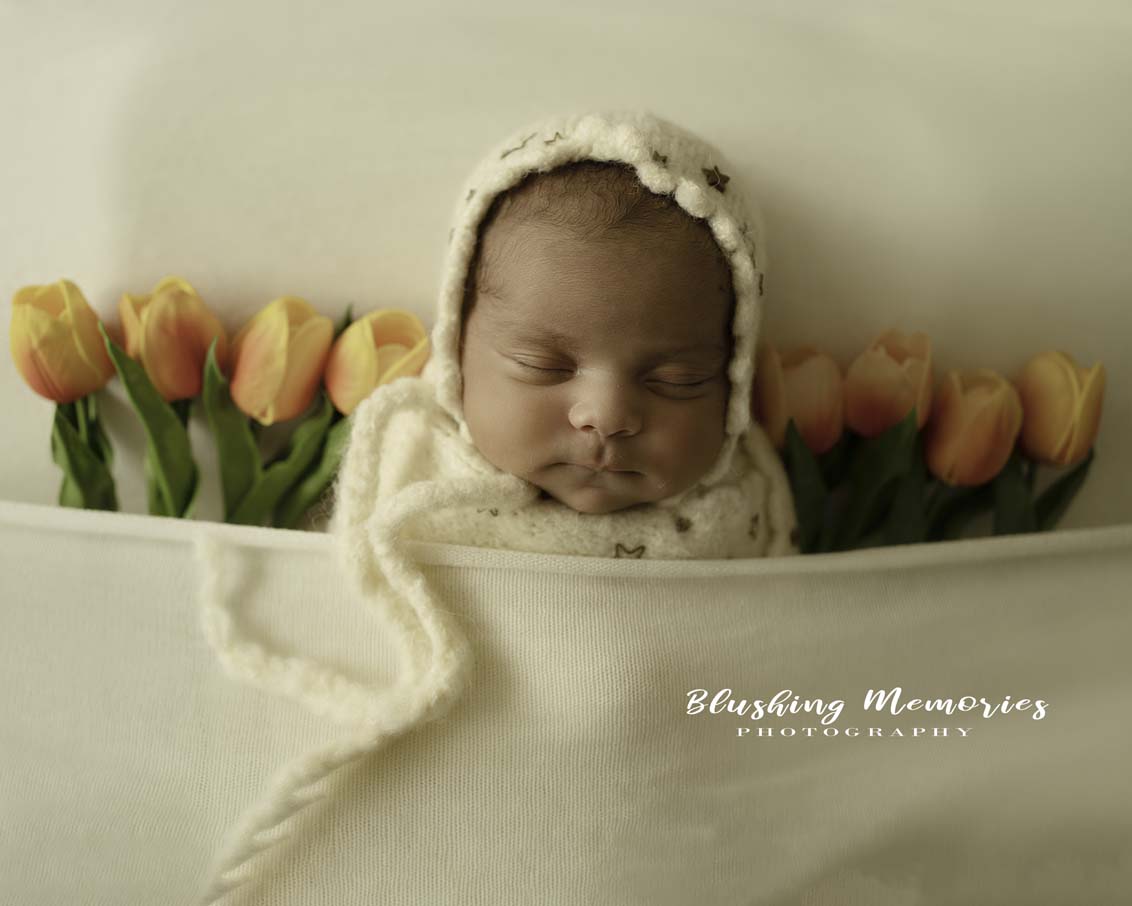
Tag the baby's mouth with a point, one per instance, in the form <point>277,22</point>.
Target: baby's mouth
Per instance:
<point>603,467</point>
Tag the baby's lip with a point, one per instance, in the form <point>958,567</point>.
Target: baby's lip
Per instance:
<point>602,466</point>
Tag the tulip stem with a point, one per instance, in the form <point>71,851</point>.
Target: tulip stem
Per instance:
<point>85,461</point>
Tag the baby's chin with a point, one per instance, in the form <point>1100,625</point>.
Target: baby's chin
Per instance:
<point>598,493</point>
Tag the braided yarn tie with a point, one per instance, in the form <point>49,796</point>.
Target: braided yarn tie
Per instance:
<point>437,654</point>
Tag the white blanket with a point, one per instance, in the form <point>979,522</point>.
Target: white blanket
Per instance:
<point>570,771</point>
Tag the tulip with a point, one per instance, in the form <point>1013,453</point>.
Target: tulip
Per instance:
<point>55,342</point>
<point>1062,406</point>
<point>382,346</point>
<point>887,380</point>
<point>804,384</point>
<point>169,332</point>
<point>278,359</point>
<point>976,421</point>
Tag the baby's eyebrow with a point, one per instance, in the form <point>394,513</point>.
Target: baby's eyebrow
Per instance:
<point>547,335</point>
<point>524,332</point>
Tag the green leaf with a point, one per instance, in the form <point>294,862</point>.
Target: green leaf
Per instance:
<point>152,487</point>
<point>907,521</point>
<point>835,460</point>
<point>87,482</point>
<point>310,489</point>
<point>260,502</point>
<point>834,508</point>
<point>171,457</point>
<point>236,448</point>
<point>99,440</point>
<point>809,489</point>
<point>954,507</point>
<point>1013,506</point>
<point>1053,503</point>
<point>876,466</point>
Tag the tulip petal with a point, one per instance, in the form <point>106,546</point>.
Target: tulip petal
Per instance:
<point>1047,387</point>
<point>129,313</point>
<point>34,339</point>
<point>46,354</point>
<point>816,400</point>
<point>771,408</point>
<point>259,355</point>
<point>178,284</point>
<point>394,326</point>
<point>47,298</point>
<point>878,393</point>
<point>352,369</point>
<point>1088,415</point>
<point>991,427</point>
<point>172,350</point>
<point>84,326</point>
<point>410,363</point>
<point>944,434</point>
<point>298,311</point>
<point>306,361</point>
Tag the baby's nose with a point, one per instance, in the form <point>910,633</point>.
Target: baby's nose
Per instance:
<point>606,406</point>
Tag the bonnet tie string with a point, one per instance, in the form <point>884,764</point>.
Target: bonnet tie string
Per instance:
<point>437,654</point>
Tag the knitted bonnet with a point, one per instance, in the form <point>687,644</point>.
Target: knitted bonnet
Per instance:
<point>668,160</point>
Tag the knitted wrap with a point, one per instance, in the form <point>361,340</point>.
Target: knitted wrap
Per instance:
<point>412,472</point>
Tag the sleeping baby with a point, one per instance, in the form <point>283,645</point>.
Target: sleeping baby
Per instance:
<point>588,393</point>
<point>589,386</point>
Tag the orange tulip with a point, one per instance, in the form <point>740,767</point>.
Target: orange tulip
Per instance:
<point>976,421</point>
<point>378,348</point>
<point>1062,406</point>
<point>55,342</point>
<point>169,332</point>
<point>804,384</point>
<point>887,380</point>
<point>278,359</point>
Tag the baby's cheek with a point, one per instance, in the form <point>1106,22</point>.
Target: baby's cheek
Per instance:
<point>514,425</point>
<point>687,439</point>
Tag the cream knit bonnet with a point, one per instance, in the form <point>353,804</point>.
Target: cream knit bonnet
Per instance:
<point>375,514</point>
<point>668,160</point>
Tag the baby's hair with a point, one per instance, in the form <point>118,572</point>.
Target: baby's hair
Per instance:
<point>590,200</point>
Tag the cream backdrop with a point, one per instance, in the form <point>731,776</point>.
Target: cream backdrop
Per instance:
<point>956,167</point>
<point>959,168</point>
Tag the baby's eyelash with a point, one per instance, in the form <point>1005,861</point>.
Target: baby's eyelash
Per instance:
<point>680,383</point>
<point>539,367</point>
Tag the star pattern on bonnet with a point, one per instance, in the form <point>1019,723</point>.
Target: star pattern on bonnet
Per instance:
<point>621,552</point>
<point>715,179</point>
<point>659,158</point>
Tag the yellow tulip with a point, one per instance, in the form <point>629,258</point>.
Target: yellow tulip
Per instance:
<point>887,380</point>
<point>974,427</point>
<point>1062,406</point>
<point>278,359</point>
<point>169,332</point>
<point>378,348</point>
<point>803,384</point>
<point>55,342</point>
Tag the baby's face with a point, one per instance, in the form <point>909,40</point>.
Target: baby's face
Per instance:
<point>598,370</point>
